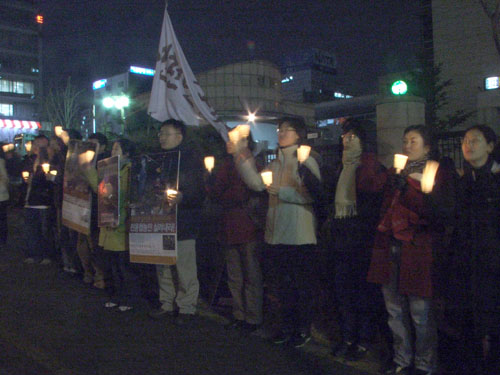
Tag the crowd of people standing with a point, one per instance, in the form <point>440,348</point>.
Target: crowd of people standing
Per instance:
<point>401,261</point>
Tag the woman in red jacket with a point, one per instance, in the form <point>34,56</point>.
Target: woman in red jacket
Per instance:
<point>411,224</point>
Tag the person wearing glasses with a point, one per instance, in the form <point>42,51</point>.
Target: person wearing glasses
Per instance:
<point>178,284</point>
<point>290,230</point>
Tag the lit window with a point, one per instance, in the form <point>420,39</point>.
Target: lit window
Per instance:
<point>491,83</point>
<point>17,87</point>
<point>6,109</point>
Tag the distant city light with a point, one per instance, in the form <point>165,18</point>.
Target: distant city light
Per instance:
<point>143,71</point>
<point>287,79</point>
<point>399,88</point>
<point>492,83</point>
<point>340,95</point>
<point>99,84</point>
<point>39,19</point>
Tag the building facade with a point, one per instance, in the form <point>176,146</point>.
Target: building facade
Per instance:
<point>20,68</point>
<point>463,44</point>
<point>311,76</point>
<point>251,87</point>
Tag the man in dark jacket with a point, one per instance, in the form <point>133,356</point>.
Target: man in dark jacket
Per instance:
<point>182,170</point>
<point>39,206</point>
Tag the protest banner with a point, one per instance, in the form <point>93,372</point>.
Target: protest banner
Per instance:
<point>108,192</point>
<point>77,198</point>
<point>153,222</point>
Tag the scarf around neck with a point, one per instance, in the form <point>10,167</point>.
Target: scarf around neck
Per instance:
<point>345,195</point>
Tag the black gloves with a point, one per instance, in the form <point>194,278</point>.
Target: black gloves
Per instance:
<point>398,182</point>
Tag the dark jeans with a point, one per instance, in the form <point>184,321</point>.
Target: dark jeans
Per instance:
<point>125,287</point>
<point>3,222</point>
<point>358,301</point>
<point>39,232</point>
<point>289,272</point>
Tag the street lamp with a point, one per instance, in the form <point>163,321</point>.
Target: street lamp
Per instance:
<point>118,102</point>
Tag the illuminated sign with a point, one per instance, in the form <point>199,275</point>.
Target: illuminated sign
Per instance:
<point>99,84</point>
<point>143,71</point>
<point>492,83</point>
<point>399,88</point>
<point>39,19</point>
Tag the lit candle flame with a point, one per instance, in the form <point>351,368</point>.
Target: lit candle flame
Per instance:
<point>27,146</point>
<point>53,172</point>
<point>25,175</point>
<point>303,153</point>
<point>400,162</point>
<point>244,130</point>
<point>46,167</point>
<point>429,175</point>
<point>234,135</point>
<point>267,178</point>
<point>58,129</point>
<point>209,163</point>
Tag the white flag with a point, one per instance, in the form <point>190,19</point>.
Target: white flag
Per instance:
<point>176,94</point>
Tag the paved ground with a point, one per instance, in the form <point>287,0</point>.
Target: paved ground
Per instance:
<point>53,324</point>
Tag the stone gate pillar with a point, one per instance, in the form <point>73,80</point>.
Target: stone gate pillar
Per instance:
<point>394,114</point>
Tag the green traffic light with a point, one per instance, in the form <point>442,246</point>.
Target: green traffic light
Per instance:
<point>399,88</point>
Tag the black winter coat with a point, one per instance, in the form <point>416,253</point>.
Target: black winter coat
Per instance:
<point>190,185</point>
<point>477,261</point>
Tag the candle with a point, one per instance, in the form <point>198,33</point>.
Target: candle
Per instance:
<point>171,192</point>
<point>267,178</point>
<point>46,167</point>
<point>5,148</point>
<point>234,135</point>
<point>25,175</point>
<point>58,129</point>
<point>89,155</point>
<point>429,175</point>
<point>65,137</point>
<point>400,162</point>
<point>27,146</point>
<point>209,163</point>
<point>244,130</point>
<point>53,172</point>
<point>303,153</point>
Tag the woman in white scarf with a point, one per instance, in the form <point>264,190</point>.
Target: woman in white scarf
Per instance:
<point>354,215</point>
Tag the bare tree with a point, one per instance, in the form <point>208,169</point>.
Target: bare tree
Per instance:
<point>494,16</point>
<point>62,105</point>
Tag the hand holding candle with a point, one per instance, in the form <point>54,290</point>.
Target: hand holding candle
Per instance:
<point>429,176</point>
<point>400,162</point>
<point>209,163</point>
<point>303,153</point>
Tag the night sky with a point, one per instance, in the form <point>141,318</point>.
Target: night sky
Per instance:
<point>93,39</point>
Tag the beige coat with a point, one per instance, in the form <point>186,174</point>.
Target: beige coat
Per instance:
<point>290,217</point>
<point>4,182</point>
